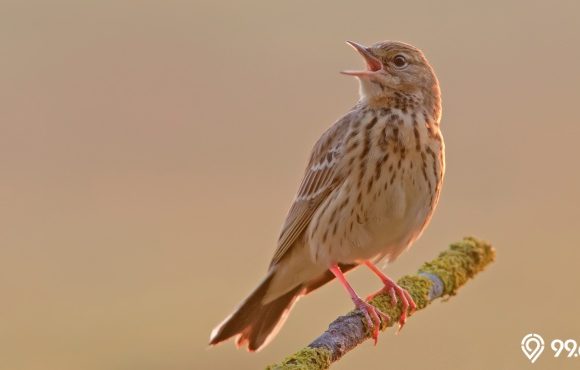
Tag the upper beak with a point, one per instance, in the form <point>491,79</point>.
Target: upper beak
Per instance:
<point>373,64</point>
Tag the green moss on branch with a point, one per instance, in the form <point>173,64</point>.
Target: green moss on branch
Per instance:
<point>306,358</point>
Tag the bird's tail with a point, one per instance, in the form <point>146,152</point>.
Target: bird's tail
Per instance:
<point>255,322</point>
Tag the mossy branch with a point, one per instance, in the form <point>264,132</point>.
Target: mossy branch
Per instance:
<point>441,277</point>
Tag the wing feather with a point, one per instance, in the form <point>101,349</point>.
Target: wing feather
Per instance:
<point>321,178</point>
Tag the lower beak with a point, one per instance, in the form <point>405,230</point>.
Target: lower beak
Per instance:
<point>373,64</point>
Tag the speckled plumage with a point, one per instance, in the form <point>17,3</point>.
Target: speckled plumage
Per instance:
<point>369,190</point>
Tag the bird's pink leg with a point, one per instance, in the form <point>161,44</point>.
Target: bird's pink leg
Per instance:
<point>394,290</point>
<point>372,314</point>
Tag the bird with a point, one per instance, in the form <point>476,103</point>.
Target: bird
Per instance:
<point>369,190</point>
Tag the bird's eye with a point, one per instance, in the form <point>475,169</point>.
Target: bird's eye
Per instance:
<point>400,61</point>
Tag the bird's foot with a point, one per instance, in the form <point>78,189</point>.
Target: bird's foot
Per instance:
<point>373,317</point>
<point>394,291</point>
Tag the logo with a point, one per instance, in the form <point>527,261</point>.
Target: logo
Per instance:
<point>532,346</point>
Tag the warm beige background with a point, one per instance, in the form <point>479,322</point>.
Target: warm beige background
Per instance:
<point>149,151</point>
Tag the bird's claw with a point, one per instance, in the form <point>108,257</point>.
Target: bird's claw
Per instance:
<point>407,302</point>
<point>373,317</point>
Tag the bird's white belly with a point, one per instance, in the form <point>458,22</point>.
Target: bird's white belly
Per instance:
<point>396,225</point>
<point>385,222</point>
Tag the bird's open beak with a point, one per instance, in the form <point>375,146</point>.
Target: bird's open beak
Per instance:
<point>373,64</point>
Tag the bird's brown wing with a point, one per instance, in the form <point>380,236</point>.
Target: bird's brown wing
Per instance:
<point>320,179</point>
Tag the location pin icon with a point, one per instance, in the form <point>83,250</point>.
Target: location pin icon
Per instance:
<point>532,346</point>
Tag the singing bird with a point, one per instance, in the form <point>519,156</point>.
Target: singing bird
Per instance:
<point>370,188</point>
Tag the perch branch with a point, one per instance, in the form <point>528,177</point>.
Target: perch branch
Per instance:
<point>441,277</point>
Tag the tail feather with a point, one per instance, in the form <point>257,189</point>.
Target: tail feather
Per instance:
<point>254,322</point>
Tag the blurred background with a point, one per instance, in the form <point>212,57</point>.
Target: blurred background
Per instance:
<point>149,151</point>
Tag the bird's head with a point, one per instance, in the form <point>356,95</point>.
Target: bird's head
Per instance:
<point>395,68</point>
